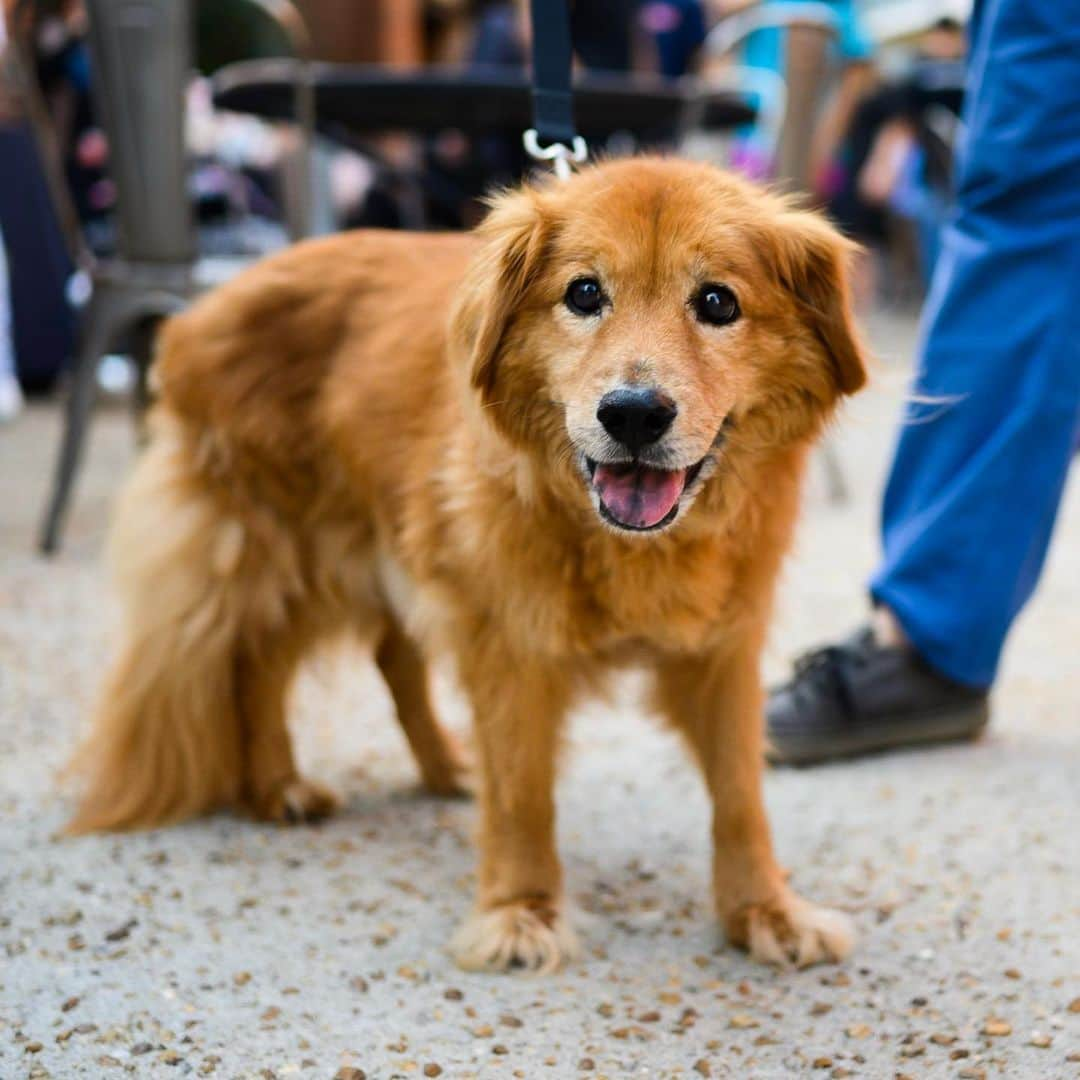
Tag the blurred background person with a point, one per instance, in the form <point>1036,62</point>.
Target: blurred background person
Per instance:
<point>41,327</point>
<point>793,57</point>
<point>895,158</point>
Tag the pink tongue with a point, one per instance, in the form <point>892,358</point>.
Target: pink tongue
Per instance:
<point>636,495</point>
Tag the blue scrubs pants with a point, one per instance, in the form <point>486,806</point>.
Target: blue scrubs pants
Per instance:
<point>995,417</point>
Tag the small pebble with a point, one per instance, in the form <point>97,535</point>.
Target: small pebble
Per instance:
<point>122,932</point>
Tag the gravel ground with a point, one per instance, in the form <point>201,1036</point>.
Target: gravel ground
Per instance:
<point>230,949</point>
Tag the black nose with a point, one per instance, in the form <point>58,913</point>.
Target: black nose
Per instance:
<point>635,415</point>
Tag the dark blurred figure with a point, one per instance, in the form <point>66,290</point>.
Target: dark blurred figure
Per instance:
<point>42,324</point>
<point>897,155</point>
<point>459,170</point>
<point>63,74</point>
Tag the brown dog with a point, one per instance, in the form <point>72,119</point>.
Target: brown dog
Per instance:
<point>569,442</point>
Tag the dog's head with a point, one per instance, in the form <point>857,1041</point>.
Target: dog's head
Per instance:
<point>635,324</point>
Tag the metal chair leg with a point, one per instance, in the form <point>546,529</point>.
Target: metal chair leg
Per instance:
<point>95,341</point>
<point>142,355</point>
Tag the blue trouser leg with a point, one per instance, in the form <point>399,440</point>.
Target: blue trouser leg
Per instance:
<point>979,469</point>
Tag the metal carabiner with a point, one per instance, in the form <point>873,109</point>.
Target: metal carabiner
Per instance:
<point>561,156</point>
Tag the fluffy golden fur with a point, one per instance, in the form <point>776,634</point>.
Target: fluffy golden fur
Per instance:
<point>396,433</point>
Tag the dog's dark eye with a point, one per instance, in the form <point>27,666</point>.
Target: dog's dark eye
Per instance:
<point>716,304</point>
<point>583,296</point>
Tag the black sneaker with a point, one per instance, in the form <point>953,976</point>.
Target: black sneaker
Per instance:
<point>859,697</point>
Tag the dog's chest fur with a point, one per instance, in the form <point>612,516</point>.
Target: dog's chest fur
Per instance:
<point>552,589</point>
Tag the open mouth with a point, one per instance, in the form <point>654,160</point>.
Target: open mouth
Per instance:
<point>639,497</point>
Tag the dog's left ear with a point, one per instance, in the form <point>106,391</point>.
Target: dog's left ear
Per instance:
<point>513,237</point>
<point>813,261</point>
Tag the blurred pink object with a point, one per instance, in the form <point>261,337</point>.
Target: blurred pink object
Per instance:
<point>751,161</point>
<point>829,179</point>
<point>92,149</point>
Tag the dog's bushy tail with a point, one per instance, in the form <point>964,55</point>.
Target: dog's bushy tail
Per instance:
<point>166,741</point>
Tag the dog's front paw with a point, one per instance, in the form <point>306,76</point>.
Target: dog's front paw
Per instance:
<point>533,936</point>
<point>790,930</point>
<point>294,801</point>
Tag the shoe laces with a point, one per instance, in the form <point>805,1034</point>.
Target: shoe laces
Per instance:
<point>826,668</point>
<point>821,666</point>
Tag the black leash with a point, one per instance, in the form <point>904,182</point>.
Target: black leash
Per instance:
<point>553,136</point>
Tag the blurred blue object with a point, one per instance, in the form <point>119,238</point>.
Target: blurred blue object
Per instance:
<point>764,48</point>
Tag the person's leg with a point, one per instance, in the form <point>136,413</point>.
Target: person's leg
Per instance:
<point>979,469</point>
<point>982,457</point>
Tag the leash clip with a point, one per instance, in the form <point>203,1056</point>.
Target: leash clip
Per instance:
<point>561,156</point>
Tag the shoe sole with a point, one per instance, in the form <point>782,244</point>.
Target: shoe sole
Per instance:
<point>924,729</point>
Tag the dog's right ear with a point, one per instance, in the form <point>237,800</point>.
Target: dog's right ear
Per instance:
<point>513,236</point>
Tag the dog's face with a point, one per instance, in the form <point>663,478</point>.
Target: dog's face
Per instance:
<point>637,322</point>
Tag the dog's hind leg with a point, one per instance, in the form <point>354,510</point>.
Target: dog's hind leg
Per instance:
<point>443,768</point>
<point>273,790</point>
<point>192,717</point>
